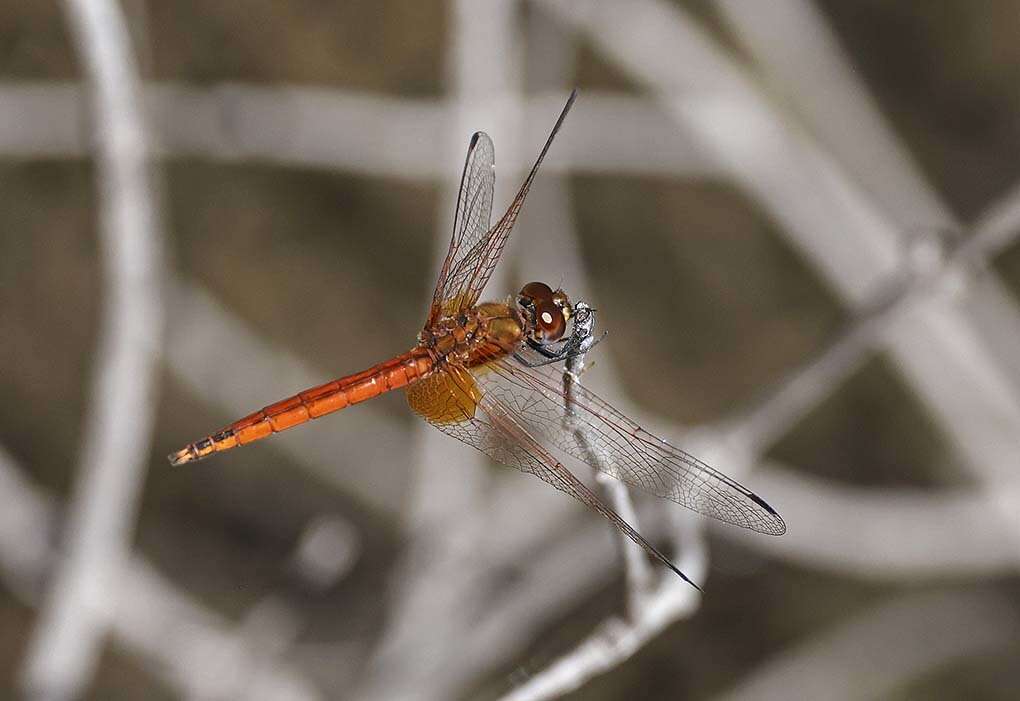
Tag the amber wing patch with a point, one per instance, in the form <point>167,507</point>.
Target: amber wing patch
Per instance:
<point>447,396</point>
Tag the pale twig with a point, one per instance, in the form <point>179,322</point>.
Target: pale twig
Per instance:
<point>432,609</point>
<point>551,60</point>
<point>184,643</point>
<point>874,653</point>
<point>882,535</point>
<point>760,424</point>
<point>992,557</point>
<point>957,351</point>
<point>203,346</point>
<point>888,534</point>
<point>346,130</point>
<point>626,34</point>
<point>637,571</point>
<point>825,214</point>
<point>66,643</point>
<point>614,641</point>
<point>800,56</point>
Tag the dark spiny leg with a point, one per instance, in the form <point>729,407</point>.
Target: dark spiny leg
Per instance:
<point>536,363</point>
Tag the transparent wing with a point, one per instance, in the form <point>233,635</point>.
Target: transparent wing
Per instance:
<point>597,434</point>
<point>471,221</point>
<point>451,401</point>
<point>474,254</point>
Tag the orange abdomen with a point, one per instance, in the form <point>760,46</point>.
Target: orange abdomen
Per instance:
<point>313,403</point>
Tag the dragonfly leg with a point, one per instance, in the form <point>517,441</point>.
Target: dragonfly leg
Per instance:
<point>527,362</point>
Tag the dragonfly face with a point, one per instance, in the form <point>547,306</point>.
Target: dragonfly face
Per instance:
<point>545,311</point>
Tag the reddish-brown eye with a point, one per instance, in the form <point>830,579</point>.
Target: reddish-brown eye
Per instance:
<point>537,292</point>
<point>550,321</point>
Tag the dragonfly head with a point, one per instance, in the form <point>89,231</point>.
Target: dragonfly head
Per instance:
<point>546,310</point>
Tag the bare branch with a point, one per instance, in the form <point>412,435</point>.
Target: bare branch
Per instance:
<point>876,652</point>
<point>118,425</point>
<point>482,64</point>
<point>164,626</point>
<point>760,424</point>
<point>201,351</point>
<point>887,534</point>
<point>827,215</point>
<point>638,572</point>
<point>345,130</point>
<point>822,184</point>
<point>614,641</point>
<point>625,34</point>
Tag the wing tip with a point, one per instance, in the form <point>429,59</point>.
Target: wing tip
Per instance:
<point>683,576</point>
<point>777,526</point>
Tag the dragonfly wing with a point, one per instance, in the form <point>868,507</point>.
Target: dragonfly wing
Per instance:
<point>471,221</point>
<point>597,434</point>
<point>452,402</point>
<point>475,252</point>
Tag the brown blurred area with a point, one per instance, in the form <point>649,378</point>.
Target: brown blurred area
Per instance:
<point>706,304</point>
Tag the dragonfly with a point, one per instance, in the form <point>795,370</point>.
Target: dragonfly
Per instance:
<point>490,374</point>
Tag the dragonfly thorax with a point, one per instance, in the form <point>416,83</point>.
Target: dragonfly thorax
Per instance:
<point>482,333</point>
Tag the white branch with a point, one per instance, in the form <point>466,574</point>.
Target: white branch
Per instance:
<point>750,155</point>
<point>203,346</point>
<point>799,54</point>
<point>827,215</point>
<point>761,423</point>
<point>614,641</point>
<point>185,643</point>
<point>483,65</point>
<point>888,534</point>
<point>843,530</point>
<point>957,352</point>
<point>875,653</point>
<point>351,131</point>
<point>118,426</point>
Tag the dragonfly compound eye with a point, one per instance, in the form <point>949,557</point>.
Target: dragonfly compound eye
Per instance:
<point>536,292</point>
<point>550,321</point>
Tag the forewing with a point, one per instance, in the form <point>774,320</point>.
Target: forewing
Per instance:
<point>451,402</point>
<point>599,435</point>
<point>470,265</point>
<point>471,221</point>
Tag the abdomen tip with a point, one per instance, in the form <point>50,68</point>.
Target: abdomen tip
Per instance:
<point>180,457</point>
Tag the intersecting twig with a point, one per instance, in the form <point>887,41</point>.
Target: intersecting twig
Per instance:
<point>431,608</point>
<point>875,653</point>
<point>183,641</point>
<point>749,433</point>
<point>755,428</point>
<point>615,640</point>
<point>760,424</point>
<point>239,122</point>
<point>827,215</point>
<point>66,643</point>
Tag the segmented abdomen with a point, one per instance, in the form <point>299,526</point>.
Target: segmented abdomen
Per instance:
<point>313,403</point>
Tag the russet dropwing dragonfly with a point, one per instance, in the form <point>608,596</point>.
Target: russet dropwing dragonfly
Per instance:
<point>486,374</point>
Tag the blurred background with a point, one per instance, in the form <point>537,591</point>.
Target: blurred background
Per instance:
<point>796,219</point>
